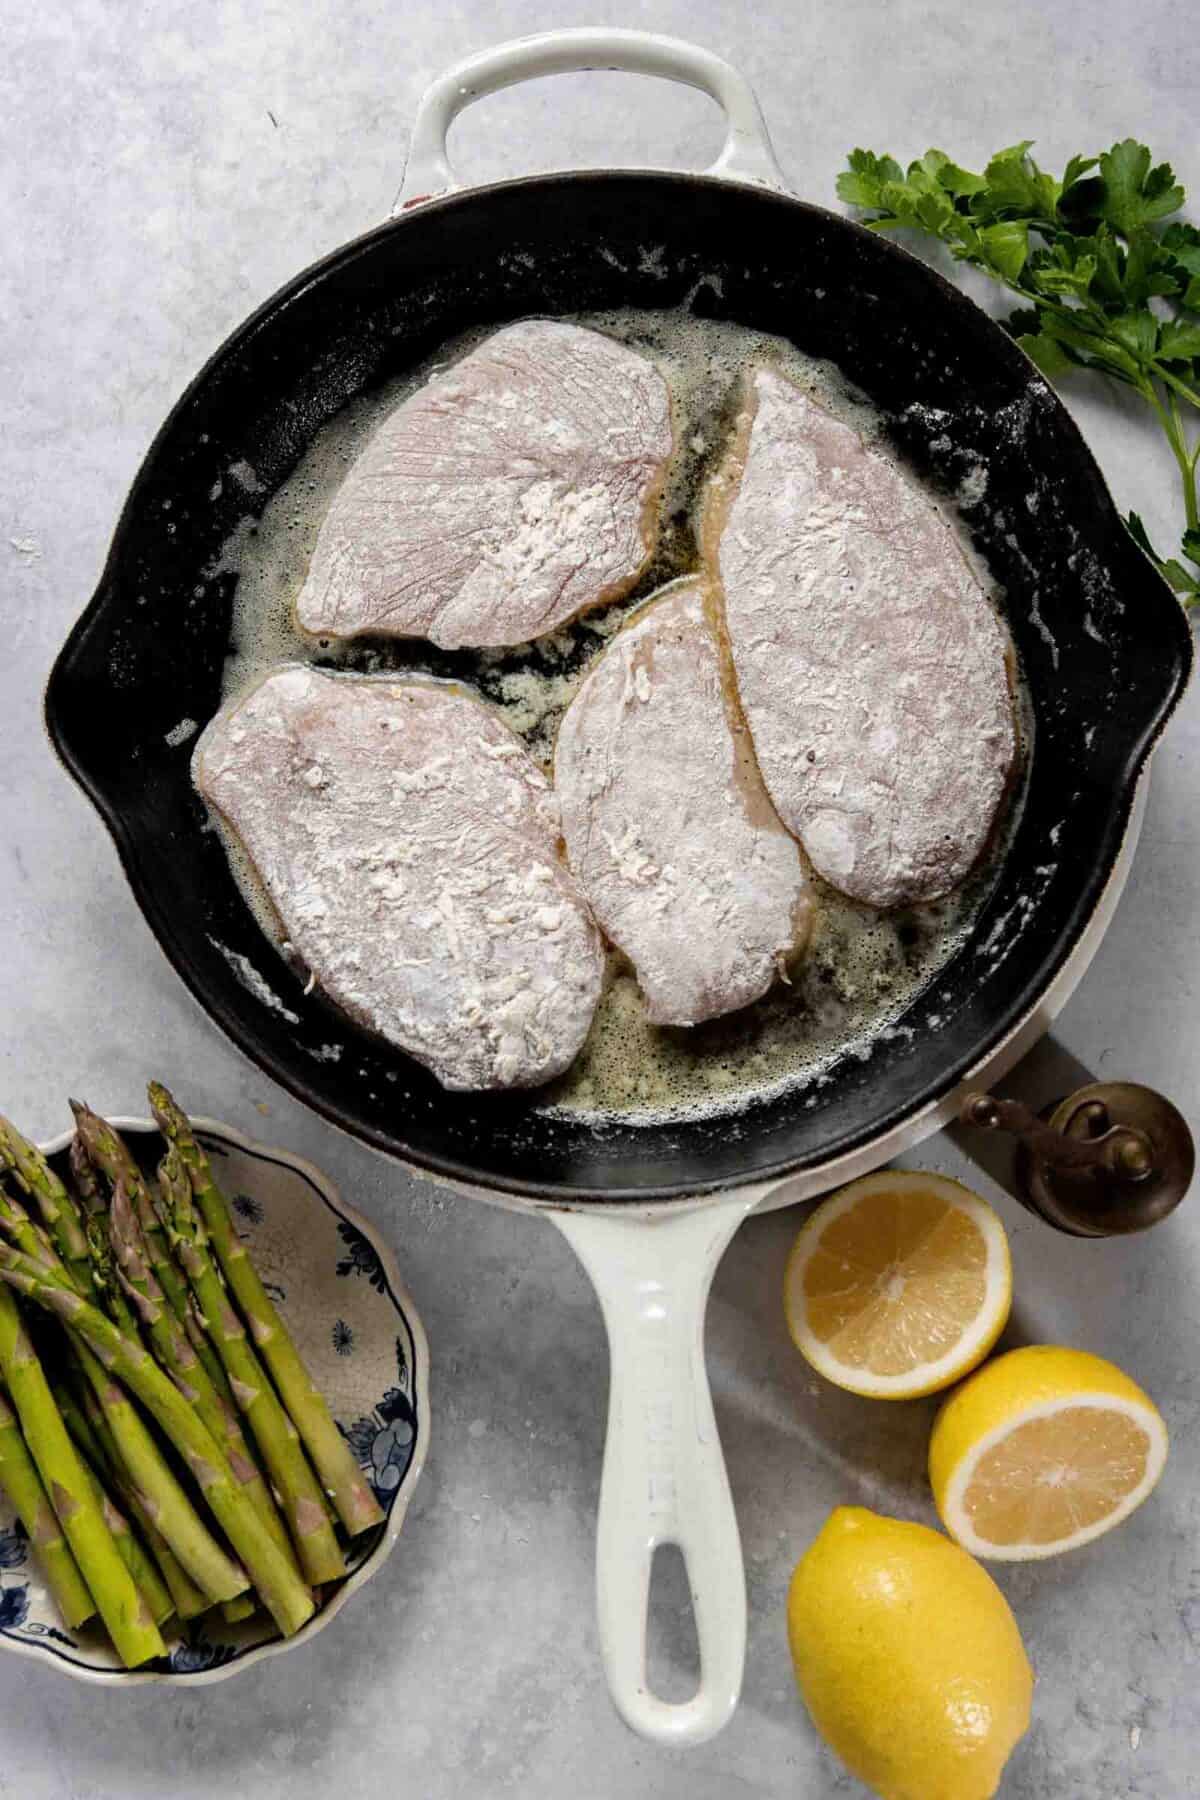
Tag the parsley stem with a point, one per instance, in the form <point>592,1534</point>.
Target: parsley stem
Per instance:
<point>1187,463</point>
<point>1172,424</point>
<point>1173,381</point>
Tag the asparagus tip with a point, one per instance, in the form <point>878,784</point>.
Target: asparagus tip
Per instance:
<point>165,1111</point>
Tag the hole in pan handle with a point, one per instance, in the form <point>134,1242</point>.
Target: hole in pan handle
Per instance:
<point>746,154</point>
<point>664,1479</point>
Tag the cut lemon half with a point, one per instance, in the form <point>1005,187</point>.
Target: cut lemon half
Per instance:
<point>1042,1451</point>
<point>898,1284</point>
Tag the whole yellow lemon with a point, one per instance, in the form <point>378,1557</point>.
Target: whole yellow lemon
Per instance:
<point>908,1658</point>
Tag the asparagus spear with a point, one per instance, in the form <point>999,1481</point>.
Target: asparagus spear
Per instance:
<point>332,1457</point>
<point>173,1344</point>
<point>189,1600</point>
<point>177,1356</point>
<point>60,1215</point>
<point>90,1273</point>
<point>111,1153</point>
<point>289,1601</point>
<point>184,1352</point>
<point>20,1480</point>
<point>174,1285</point>
<point>150,1584</point>
<point>164,1500</point>
<point>107,1286</point>
<point>303,1503</point>
<point>135,1557</point>
<point>21,1230</point>
<point>83,1175</point>
<point>80,1427</point>
<point>125,1615</point>
<point>107,1150</point>
<point>246,1604</point>
<point>244,1607</point>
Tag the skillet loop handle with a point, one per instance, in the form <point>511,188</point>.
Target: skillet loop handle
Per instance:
<point>664,1478</point>
<point>745,156</point>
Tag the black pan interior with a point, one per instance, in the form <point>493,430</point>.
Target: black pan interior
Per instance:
<point>1102,641</point>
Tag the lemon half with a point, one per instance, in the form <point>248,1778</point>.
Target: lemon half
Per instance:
<point>1042,1451</point>
<point>899,1284</point>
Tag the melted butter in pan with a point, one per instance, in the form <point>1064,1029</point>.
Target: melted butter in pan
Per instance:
<point>862,969</point>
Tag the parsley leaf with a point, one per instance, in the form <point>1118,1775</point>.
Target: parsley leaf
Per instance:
<point>1106,283</point>
<point>1006,246</point>
<point>862,184</point>
<point>1076,169</point>
<point>1051,357</point>
<point>1179,340</point>
<point>1182,242</point>
<point>1134,193</point>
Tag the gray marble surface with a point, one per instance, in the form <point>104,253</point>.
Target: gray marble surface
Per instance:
<point>167,166</point>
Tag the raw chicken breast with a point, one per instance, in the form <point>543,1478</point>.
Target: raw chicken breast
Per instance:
<point>410,847</point>
<point>512,491</point>
<point>666,820</point>
<point>871,667</point>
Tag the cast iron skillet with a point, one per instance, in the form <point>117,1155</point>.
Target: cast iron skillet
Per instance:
<point>1101,640</point>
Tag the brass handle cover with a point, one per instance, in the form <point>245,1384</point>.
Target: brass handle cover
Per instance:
<point>1112,1158</point>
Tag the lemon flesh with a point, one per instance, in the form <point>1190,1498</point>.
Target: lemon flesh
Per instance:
<point>908,1658</point>
<point>899,1284</point>
<point>1044,1450</point>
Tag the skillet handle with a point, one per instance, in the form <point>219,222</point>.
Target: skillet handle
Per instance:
<point>664,1479</point>
<point>745,156</point>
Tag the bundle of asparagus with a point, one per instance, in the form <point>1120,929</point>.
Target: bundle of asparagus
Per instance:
<point>160,1437</point>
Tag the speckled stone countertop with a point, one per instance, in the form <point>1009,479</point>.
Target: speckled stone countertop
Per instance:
<point>168,167</point>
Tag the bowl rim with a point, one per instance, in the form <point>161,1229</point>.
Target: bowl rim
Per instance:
<point>397,1292</point>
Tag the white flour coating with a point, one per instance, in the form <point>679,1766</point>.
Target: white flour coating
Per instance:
<point>410,848</point>
<point>512,491</point>
<point>871,667</point>
<point>667,823</point>
<point>862,967</point>
<point>250,979</point>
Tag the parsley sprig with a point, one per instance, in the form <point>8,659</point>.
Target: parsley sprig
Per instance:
<point>1108,283</point>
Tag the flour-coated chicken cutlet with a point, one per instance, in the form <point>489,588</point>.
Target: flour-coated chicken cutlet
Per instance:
<point>872,669</point>
<point>667,823</point>
<point>515,489</point>
<point>410,847</point>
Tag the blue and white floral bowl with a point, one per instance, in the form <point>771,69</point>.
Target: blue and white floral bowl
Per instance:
<point>340,1291</point>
